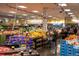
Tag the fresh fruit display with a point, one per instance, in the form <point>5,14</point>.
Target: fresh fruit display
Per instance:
<point>4,49</point>
<point>37,33</point>
<point>9,32</point>
<point>71,37</point>
<point>76,43</point>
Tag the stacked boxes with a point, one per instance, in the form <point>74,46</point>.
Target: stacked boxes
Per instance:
<point>67,49</point>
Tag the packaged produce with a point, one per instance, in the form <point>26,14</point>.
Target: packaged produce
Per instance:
<point>71,39</point>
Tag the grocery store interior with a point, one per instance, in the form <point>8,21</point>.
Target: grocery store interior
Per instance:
<point>39,29</point>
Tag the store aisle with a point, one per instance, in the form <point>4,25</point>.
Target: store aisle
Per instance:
<point>48,52</point>
<point>45,52</point>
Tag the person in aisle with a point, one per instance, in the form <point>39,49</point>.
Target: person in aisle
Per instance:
<point>50,37</point>
<point>78,32</point>
<point>54,42</point>
<point>71,31</point>
<point>75,30</point>
<point>64,33</point>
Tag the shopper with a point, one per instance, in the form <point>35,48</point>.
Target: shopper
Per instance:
<point>54,45</point>
<point>71,31</point>
<point>50,37</point>
<point>78,32</point>
<point>64,33</point>
<point>75,30</point>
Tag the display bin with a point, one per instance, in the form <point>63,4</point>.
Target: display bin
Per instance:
<point>67,49</point>
<point>76,52</point>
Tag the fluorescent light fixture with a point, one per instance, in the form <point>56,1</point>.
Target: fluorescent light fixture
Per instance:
<point>54,17</point>
<point>12,12</point>
<point>49,16</point>
<point>24,14</point>
<point>74,20</point>
<point>35,21</point>
<point>66,9</point>
<point>35,11</point>
<point>22,7</point>
<point>70,13</point>
<point>62,4</point>
<point>10,15</point>
<point>74,17</point>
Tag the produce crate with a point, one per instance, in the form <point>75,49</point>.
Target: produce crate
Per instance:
<point>76,52</point>
<point>67,49</point>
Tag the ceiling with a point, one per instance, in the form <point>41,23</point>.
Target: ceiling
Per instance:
<point>74,8</point>
<point>51,9</point>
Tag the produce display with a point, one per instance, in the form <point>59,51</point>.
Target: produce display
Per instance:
<point>71,37</point>
<point>9,32</point>
<point>34,38</point>
<point>70,46</point>
<point>4,49</point>
<point>17,39</point>
<point>37,33</point>
<point>72,40</point>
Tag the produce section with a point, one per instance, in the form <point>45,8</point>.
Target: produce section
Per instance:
<point>40,29</point>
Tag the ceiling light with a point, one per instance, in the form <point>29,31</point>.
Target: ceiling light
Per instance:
<point>35,11</point>
<point>22,7</point>
<point>67,10</point>
<point>63,4</point>
<point>49,16</point>
<point>70,13</point>
<point>75,20</point>
<point>24,14</point>
<point>54,17</point>
<point>35,21</point>
<point>12,12</point>
<point>74,17</point>
<point>10,15</point>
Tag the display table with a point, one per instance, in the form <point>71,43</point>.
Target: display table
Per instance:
<point>17,52</point>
